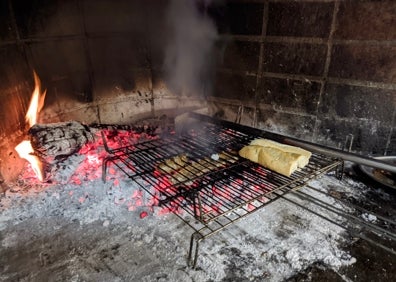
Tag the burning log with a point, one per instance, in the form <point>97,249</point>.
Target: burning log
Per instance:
<point>56,141</point>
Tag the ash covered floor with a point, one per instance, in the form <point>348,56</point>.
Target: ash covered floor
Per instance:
<point>77,228</point>
<point>91,231</point>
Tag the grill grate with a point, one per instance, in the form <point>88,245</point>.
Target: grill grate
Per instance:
<point>208,194</point>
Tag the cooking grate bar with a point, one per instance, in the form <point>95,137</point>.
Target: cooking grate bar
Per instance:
<point>214,187</point>
<point>229,183</point>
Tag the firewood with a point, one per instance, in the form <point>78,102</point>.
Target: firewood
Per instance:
<point>55,141</point>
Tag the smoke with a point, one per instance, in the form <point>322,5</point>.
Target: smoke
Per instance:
<point>189,59</point>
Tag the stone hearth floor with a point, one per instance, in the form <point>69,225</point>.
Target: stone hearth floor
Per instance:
<point>90,231</point>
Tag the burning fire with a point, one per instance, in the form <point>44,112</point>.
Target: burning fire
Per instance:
<point>36,102</point>
<point>25,149</point>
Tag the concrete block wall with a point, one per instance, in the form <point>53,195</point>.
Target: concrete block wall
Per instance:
<point>317,70</point>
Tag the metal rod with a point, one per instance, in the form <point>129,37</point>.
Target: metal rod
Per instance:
<point>343,226</point>
<point>140,163</point>
<point>325,75</point>
<point>332,152</point>
<point>351,218</point>
<point>359,159</point>
<point>356,207</point>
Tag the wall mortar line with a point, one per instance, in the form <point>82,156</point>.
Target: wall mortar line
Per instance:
<point>22,46</point>
<point>277,1</point>
<point>314,78</point>
<point>259,78</point>
<point>306,40</point>
<point>326,67</point>
<point>88,96</point>
<point>18,40</point>
<point>388,141</point>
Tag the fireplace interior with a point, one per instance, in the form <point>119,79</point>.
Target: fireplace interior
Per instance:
<point>321,72</point>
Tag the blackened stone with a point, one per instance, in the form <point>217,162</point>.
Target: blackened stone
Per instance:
<point>16,70</point>
<point>294,125</point>
<point>7,31</point>
<point>391,150</point>
<point>15,89</point>
<point>62,65</point>
<point>369,137</point>
<point>122,16</point>
<point>241,56</point>
<point>301,96</point>
<point>245,18</point>
<point>302,59</point>
<point>235,86</point>
<point>358,102</point>
<point>110,54</point>
<point>120,62</point>
<point>300,19</point>
<point>372,63</point>
<point>47,18</point>
<point>366,20</point>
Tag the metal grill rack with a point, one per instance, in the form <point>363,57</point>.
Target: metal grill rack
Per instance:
<point>209,200</point>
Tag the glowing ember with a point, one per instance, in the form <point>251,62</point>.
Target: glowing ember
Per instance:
<point>143,214</point>
<point>25,149</point>
<point>164,197</point>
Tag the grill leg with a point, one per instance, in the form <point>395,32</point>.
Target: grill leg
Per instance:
<point>104,169</point>
<point>340,171</point>
<point>194,247</point>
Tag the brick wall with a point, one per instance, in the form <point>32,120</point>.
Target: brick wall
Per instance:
<point>317,70</point>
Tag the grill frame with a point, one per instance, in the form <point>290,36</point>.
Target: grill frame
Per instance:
<point>245,187</point>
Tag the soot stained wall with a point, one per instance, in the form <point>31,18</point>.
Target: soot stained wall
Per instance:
<point>84,51</point>
<point>100,61</point>
<point>318,70</point>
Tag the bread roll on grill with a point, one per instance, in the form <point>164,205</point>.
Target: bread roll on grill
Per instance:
<point>281,158</point>
<point>250,152</point>
<point>181,169</point>
<point>276,160</point>
<point>304,155</point>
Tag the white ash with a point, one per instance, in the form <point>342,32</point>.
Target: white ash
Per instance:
<point>63,171</point>
<point>272,244</point>
<point>369,217</point>
<point>215,157</point>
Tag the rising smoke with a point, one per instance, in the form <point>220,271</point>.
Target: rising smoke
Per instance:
<point>189,59</point>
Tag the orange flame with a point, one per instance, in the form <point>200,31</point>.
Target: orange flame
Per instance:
<point>36,102</point>
<point>25,149</point>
